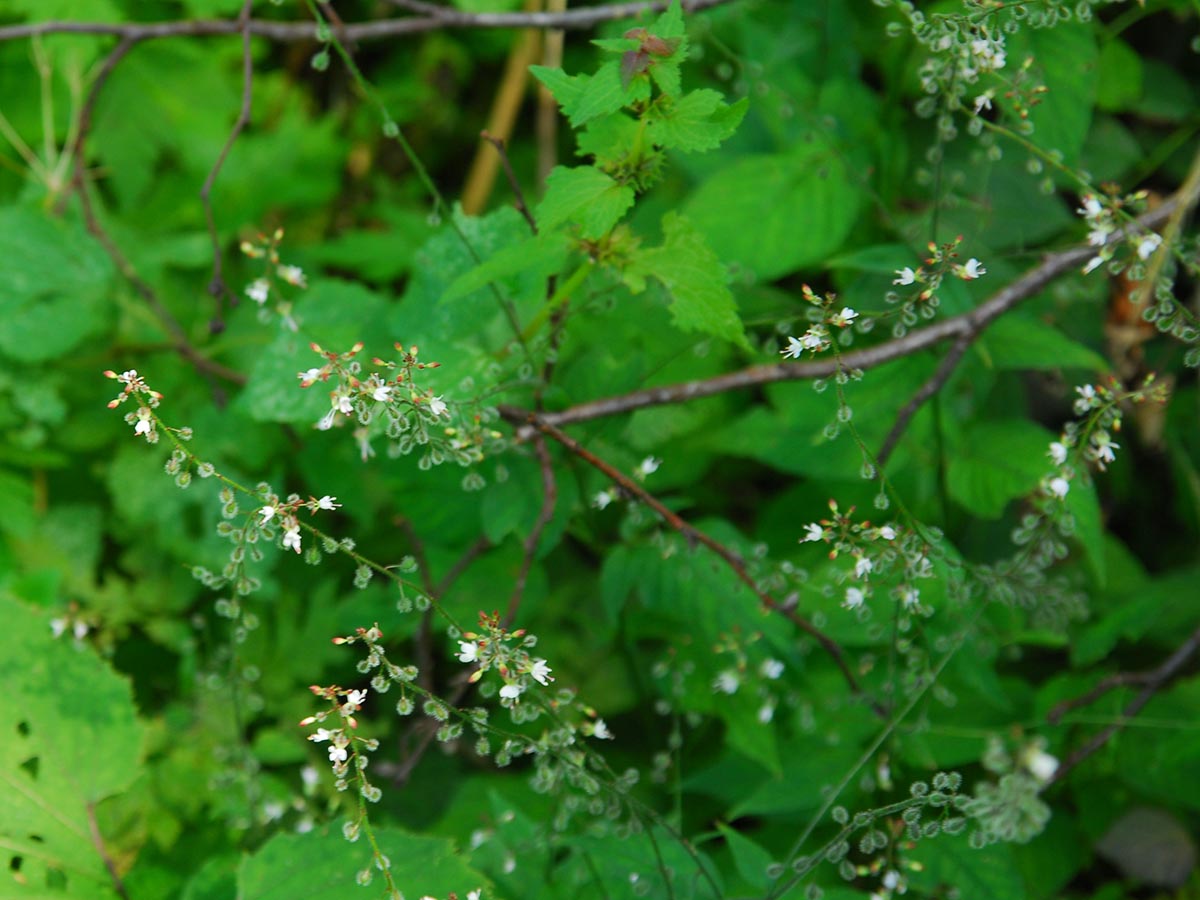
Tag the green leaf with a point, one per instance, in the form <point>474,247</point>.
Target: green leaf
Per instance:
<point>987,874</point>
<point>775,214</point>
<point>321,865</point>
<point>690,271</point>
<point>1084,505</point>
<point>1120,77</point>
<point>56,279</point>
<point>996,463</point>
<point>566,89</point>
<point>699,121</point>
<point>602,94</point>
<point>1023,342</point>
<point>586,196</point>
<point>72,739</point>
<point>751,859</point>
<point>545,255</point>
<point>1067,58</point>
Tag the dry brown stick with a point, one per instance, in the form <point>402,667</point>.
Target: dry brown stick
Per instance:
<point>967,325</point>
<point>518,195</point>
<point>545,514</point>
<point>216,285</point>
<point>1153,681</point>
<point>434,18</point>
<point>547,106</point>
<point>109,863</point>
<point>693,536</point>
<point>934,384</point>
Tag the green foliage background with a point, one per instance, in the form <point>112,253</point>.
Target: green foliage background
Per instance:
<point>156,755</point>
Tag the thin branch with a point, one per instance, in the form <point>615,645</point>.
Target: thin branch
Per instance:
<point>216,285</point>
<point>518,194</point>
<point>968,325</point>
<point>692,535</point>
<point>432,18</point>
<point>529,549</point>
<point>98,843</point>
<point>1153,681</point>
<point>935,383</point>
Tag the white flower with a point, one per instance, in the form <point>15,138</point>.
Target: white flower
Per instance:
<point>342,403</point>
<point>793,349</point>
<point>1094,263</point>
<point>1098,236</point>
<point>813,532</point>
<point>468,651</point>
<point>1041,765</point>
<point>727,682</point>
<point>79,629</point>
<point>328,502</point>
<point>337,754</point>
<point>814,339</point>
<point>648,466</point>
<point>602,499</point>
<point>322,734</point>
<point>511,691</point>
<point>844,318</point>
<point>355,699</point>
<point>292,275</point>
<point>1091,208</point>
<point>258,290</point>
<point>1147,245</point>
<point>863,567</point>
<point>766,712</point>
<point>1058,487</point>
<point>291,538</point>
<point>267,513</point>
<point>381,393</point>
<point>854,598</point>
<point>145,424</point>
<point>771,668</point>
<point>1103,447</point>
<point>983,101</point>
<point>906,276</point>
<point>890,880</point>
<point>600,731</point>
<point>971,269</point>
<point>58,627</point>
<point>541,672</point>
<point>475,894</point>
<point>308,377</point>
<point>887,532</point>
<point>910,597</point>
<point>1058,452</point>
<point>437,406</point>
<point>1088,399</point>
<point>326,421</point>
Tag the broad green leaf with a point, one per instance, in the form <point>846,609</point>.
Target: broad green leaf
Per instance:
<point>566,89</point>
<point>602,94</point>
<point>696,280</point>
<point>778,213</point>
<point>1158,762</point>
<point>996,463</point>
<point>987,874</point>
<point>321,865</point>
<point>1022,342</point>
<point>750,858</point>
<point>699,121</point>
<point>1120,77</point>
<point>634,866</point>
<point>72,739</point>
<point>56,280</point>
<point>1084,505</point>
<point>545,254</point>
<point>586,196</point>
<point>1067,58</point>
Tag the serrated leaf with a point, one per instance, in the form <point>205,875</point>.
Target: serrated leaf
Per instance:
<point>566,89</point>
<point>586,196</point>
<point>690,271</point>
<point>602,94</point>
<point>700,121</point>
<point>72,739</point>
<point>996,463</point>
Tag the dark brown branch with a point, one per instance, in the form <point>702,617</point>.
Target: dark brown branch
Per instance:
<point>98,843</point>
<point>529,549</point>
<point>968,325</point>
<point>432,18</point>
<point>944,370</point>
<point>1153,681</point>
<point>518,194</point>
<point>693,536</point>
<point>216,285</point>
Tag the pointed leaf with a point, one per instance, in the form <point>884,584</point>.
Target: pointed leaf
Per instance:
<point>586,196</point>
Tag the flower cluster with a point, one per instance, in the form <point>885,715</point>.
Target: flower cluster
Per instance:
<point>732,678</point>
<point>818,337</point>
<point>880,552</point>
<point>343,742</point>
<point>284,511</point>
<point>505,651</point>
<point>1101,216</point>
<point>143,420</point>
<point>261,289</point>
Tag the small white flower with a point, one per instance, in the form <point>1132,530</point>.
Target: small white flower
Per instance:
<point>58,627</point>
<point>342,403</point>
<point>887,532</point>
<point>475,894</point>
<point>600,731</point>
<point>813,532</point>
<point>355,699</point>
<point>602,499</point>
<point>793,349</point>
<point>322,734</point>
<point>890,880</point>
<point>863,567</point>
<point>1103,447</point>
<point>292,275</point>
<point>727,682</point>
<point>1041,765</point>
<point>766,712</point>
<point>1098,236</point>
<point>844,318</point>
<point>337,754</point>
<point>1088,399</point>
<point>983,101</point>
<point>971,269</point>
<point>310,776</point>
<point>145,424</point>
<point>291,538</point>
<point>511,691</point>
<point>854,598</point>
<point>1091,208</point>
<point>1058,487</point>
<point>328,502</point>
<point>648,466</point>
<point>468,651</point>
<point>437,406</point>
<point>308,377</point>
<point>541,672</point>
<point>326,421</point>
<point>1058,452</point>
<point>1147,245</point>
<point>910,597</point>
<point>814,339</point>
<point>381,393</point>
<point>258,290</point>
<point>79,629</point>
<point>267,513</point>
<point>1093,264</point>
<point>771,668</point>
<point>905,276</point>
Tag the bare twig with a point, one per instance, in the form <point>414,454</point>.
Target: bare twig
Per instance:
<point>968,325</point>
<point>216,285</point>
<point>518,194</point>
<point>109,863</point>
<point>1153,681</point>
<point>693,536</point>
<point>944,370</point>
<point>432,18</point>
<point>529,549</point>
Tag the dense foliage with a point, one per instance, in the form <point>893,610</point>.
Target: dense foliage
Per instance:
<point>765,463</point>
